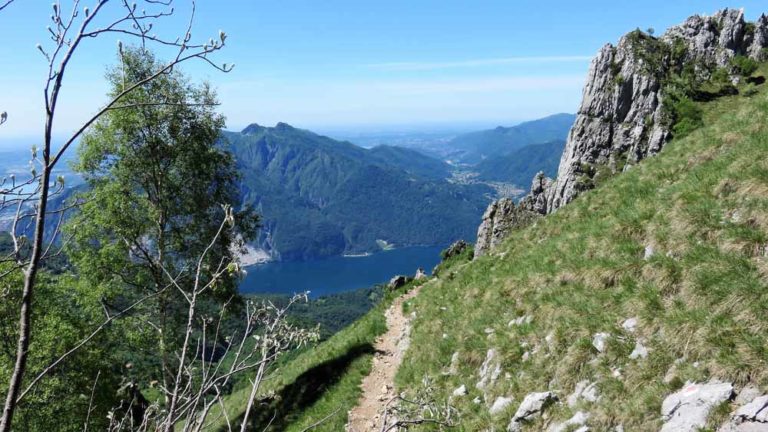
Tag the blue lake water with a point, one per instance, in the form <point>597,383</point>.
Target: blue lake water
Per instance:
<point>338,274</point>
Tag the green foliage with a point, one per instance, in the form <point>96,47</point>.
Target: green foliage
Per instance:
<point>473,148</point>
<point>321,197</point>
<point>688,116</point>
<point>157,185</point>
<point>743,65</point>
<point>520,166</point>
<point>701,204</point>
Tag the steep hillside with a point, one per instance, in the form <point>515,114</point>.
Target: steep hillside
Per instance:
<point>657,278</point>
<point>321,197</point>
<point>473,147</point>
<point>639,306</point>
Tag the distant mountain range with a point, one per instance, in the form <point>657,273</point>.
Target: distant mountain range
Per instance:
<point>322,197</point>
<point>475,147</point>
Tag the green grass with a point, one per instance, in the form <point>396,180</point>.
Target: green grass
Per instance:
<point>701,298</point>
<point>702,204</point>
<point>314,384</point>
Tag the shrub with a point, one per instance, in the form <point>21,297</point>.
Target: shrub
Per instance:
<point>687,114</point>
<point>743,65</point>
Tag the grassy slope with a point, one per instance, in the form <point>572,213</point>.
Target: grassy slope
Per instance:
<point>702,205</point>
<point>320,382</point>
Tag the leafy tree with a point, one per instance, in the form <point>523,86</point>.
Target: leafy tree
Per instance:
<point>158,185</point>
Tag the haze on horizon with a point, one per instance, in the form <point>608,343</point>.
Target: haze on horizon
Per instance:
<point>349,67</point>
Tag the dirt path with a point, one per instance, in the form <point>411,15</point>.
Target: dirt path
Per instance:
<point>378,386</point>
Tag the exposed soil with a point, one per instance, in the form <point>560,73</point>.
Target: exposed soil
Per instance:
<point>378,386</point>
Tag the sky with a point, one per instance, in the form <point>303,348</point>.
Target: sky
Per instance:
<point>353,65</point>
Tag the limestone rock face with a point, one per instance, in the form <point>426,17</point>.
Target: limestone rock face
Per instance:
<point>622,120</point>
<point>500,218</point>
<point>688,409</point>
<point>530,408</point>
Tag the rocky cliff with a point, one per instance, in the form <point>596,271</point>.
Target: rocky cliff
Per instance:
<point>623,117</point>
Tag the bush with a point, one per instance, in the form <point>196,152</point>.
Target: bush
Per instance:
<point>688,116</point>
<point>743,65</point>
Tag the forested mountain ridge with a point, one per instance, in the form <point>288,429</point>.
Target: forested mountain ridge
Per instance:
<point>474,147</point>
<point>638,305</point>
<point>322,197</point>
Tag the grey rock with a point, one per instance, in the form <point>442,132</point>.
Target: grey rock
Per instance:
<point>530,408</point>
<point>461,391</point>
<point>630,325</point>
<point>398,282</point>
<point>584,390</point>
<point>640,351</point>
<point>621,120</point>
<point>578,419</point>
<point>500,218</point>
<point>500,404</point>
<point>752,417</point>
<point>489,370</point>
<point>453,369</point>
<point>454,249</point>
<point>749,393</point>
<point>420,275</point>
<point>600,340</point>
<point>688,409</point>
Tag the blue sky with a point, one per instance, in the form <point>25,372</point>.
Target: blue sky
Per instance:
<point>346,65</point>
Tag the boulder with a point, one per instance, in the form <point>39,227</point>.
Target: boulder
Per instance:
<point>530,408</point>
<point>420,275</point>
<point>500,218</point>
<point>489,370</point>
<point>398,282</point>
<point>688,409</point>
<point>500,404</point>
<point>752,417</point>
<point>456,249</point>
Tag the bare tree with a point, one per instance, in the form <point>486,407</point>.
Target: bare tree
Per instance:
<point>68,30</point>
<point>199,379</point>
<point>402,412</point>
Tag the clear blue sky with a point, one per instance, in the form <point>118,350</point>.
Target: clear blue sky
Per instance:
<point>358,64</point>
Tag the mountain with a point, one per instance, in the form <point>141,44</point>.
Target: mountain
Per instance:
<point>636,304</point>
<point>522,164</point>
<point>474,147</point>
<point>321,197</point>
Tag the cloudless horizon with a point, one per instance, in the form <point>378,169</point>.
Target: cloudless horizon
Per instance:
<point>352,67</point>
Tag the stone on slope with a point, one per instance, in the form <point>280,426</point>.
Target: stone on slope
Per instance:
<point>688,409</point>
<point>584,390</point>
<point>489,370</point>
<point>752,417</point>
<point>600,340</point>
<point>461,391</point>
<point>578,419</point>
<point>500,404</point>
<point>640,351</point>
<point>530,408</point>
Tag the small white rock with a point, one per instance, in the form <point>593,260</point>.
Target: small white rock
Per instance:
<point>461,391</point>
<point>630,325</point>
<point>500,404</point>
<point>640,351</point>
<point>600,340</point>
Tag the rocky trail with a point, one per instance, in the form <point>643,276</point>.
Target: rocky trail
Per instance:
<point>378,386</point>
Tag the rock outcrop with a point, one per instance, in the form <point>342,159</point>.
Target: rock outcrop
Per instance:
<point>622,118</point>
<point>500,218</point>
<point>688,409</point>
<point>530,408</point>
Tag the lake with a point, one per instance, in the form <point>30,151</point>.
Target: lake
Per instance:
<point>338,274</point>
